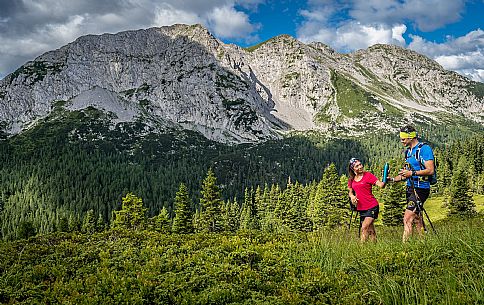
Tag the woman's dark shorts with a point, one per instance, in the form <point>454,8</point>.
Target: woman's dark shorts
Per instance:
<point>412,200</point>
<point>373,213</point>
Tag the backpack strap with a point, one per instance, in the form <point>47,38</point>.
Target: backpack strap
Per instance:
<point>417,154</point>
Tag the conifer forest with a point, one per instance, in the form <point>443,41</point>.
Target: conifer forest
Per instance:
<point>175,218</point>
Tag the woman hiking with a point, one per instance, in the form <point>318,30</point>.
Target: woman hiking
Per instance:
<point>360,184</point>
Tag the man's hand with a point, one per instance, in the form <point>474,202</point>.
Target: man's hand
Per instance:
<point>405,173</point>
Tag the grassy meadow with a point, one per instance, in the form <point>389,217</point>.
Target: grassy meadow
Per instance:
<point>325,267</point>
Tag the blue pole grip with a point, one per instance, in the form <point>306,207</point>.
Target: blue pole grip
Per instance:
<point>386,168</point>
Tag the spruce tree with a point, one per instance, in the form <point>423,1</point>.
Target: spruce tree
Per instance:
<point>63,225</point>
<point>210,205</point>
<point>183,220</point>
<point>88,223</point>
<point>249,214</point>
<point>337,197</point>
<point>132,214</point>
<point>265,208</point>
<point>330,205</point>
<point>317,211</point>
<point>296,199</point>
<point>233,216</point>
<point>460,201</point>
<point>394,199</point>
<point>25,229</point>
<point>162,222</point>
<point>100,223</point>
<point>73,223</point>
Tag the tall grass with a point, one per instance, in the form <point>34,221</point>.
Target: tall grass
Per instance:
<point>446,267</point>
<point>327,267</point>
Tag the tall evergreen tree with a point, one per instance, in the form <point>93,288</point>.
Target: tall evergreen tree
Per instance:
<point>249,214</point>
<point>73,223</point>
<point>183,220</point>
<point>232,219</point>
<point>317,211</point>
<point>162,221</point>
<point>132,214</point>
<point>26,229</point>
<point>330,206</point>
<point>63,225</point>
<point>100,223</point>
<point>296,200</point>
<point>210,205</point>
<point>337,197</point>
<point>461,202</point>
<point>89,223</point>
<point>393,198</point>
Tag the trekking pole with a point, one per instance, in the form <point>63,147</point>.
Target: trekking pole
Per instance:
<point>351,218</point>
<point>428,218</point>
<point>353,209</point>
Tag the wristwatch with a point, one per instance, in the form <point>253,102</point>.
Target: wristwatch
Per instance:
<point>414,173</point>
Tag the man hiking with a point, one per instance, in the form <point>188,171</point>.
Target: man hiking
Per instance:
<point>418,170</point>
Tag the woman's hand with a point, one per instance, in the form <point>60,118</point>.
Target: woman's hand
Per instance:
<point>354,200</point>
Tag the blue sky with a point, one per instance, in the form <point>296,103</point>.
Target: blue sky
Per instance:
<point>448,31</point>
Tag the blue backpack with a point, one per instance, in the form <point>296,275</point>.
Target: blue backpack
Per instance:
<point>431,179</point>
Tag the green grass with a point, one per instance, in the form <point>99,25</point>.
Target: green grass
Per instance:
<point>351,99</point>
<point>328,267</point>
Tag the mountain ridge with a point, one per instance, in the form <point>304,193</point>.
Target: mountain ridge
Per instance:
<point>183,77</point>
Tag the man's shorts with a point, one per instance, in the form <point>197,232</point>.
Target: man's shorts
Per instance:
<point>412,200</point>
<point>373,213</point>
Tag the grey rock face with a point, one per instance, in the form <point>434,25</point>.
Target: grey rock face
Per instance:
<point>181,76</point>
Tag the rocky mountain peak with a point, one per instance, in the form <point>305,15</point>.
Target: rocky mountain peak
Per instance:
<point>182,77</point>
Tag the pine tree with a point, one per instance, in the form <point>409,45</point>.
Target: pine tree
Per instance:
<point>132,214</point>
<point>249,214</point>
<point>73,223</point>
<point>460,201</point>
<point>296,200</point>
<point>162,222</point>
<point>330,205</point>
<point>100,223</point>
<point>183,220</point>
<point>393,199</point>
<point>210,205</point>
<point>63,225</point>
<point>233,216</point>
<point>265,208</point>
<point>316,209</point>
<point>25,229</point>
<point>89,223</point>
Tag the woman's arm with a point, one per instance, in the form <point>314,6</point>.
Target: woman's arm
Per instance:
<point>352,196</point>
<point>380,184</point>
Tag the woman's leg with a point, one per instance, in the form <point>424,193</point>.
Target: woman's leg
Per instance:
<point>373,231</point>
<point>366,227</point>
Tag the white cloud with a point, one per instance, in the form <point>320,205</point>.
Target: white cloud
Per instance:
<point>226,22</point>
<point>354,35</point>
<point>30,27</point>
<point>464,54</point>
<point>167,15</point>
<point>426,15</point>
<point>397,33</point>
<point>384,21</point>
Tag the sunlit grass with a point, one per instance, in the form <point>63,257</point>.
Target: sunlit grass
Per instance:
<point>325,267</point>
